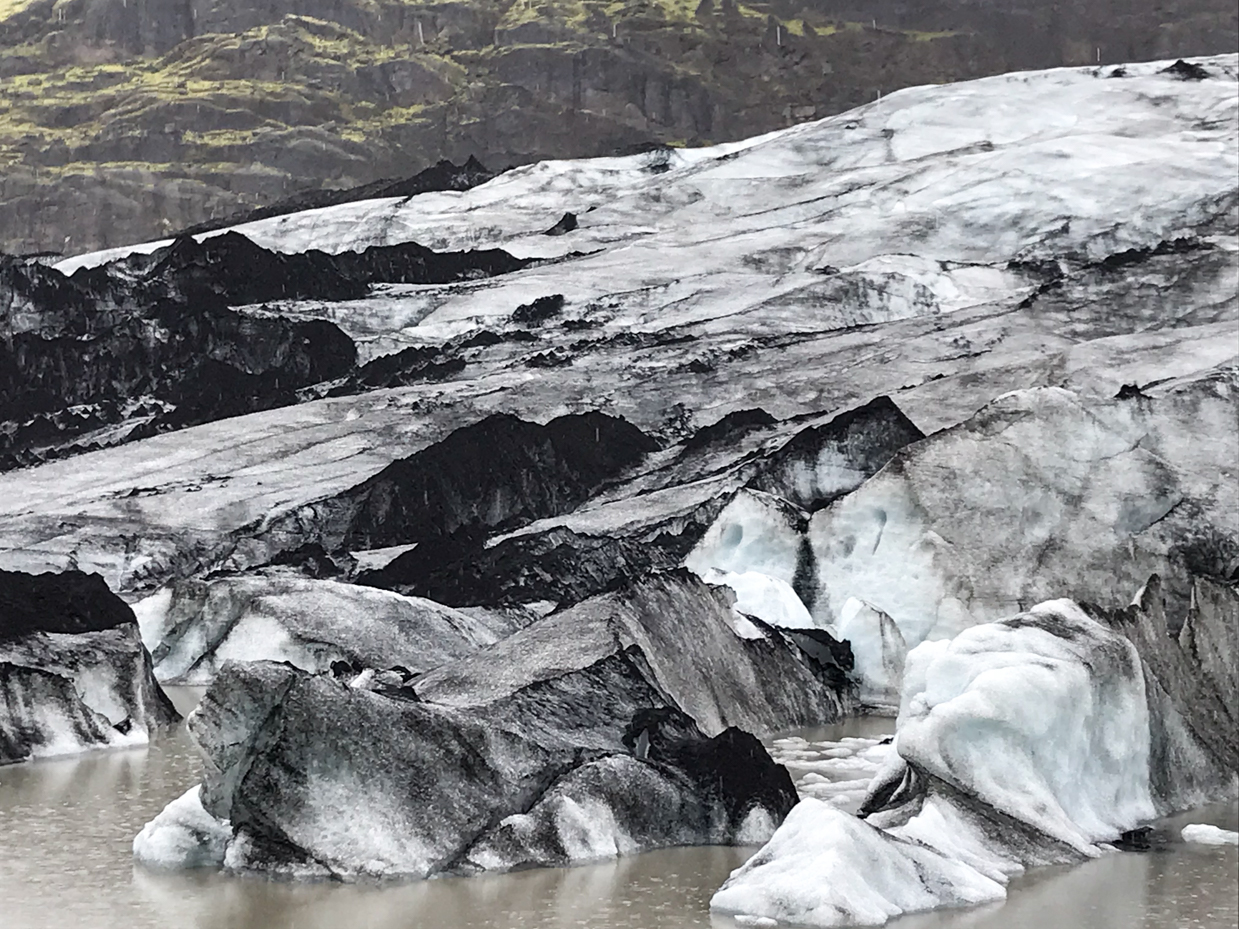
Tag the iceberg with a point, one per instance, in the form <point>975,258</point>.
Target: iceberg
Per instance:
<point>1205,834</point>
<point>1021,742</point>
<point>74,674</point>
<point>183,835</point>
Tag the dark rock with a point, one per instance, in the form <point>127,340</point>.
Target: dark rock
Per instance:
<point>684,629</point>
<point>1135,840</point>
<point>493,475</point>
<point>539,311</point>
<point>566,224</point>
<point>1186,71</point>
<point>158,329</point>
<point>315,624</point>
<point>727,428</point>
<point>68,603</point>
<point>565,565</point>
<point>408,366</point>
<point>1192,688</point>
<point>493,759</point>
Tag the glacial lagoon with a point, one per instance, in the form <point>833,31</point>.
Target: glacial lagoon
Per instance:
<point>68,826</point>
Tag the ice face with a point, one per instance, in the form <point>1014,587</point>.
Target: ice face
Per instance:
<point>756,532</point>
<point>1041,717</point>
<point>879,651</point>
<point>1023,741</point>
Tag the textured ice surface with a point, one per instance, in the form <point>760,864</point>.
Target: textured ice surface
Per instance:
<point>1041,717</point>
<point>183,835</point>
<point>1204,834</point>
<point>878,648</point>
<point>66,693</point>
<point>825,867</point>
<point>194,627</point>
<point>1023,741</point>
<point>589,763</point>
<point>734,280</point>
<point>769,599</point>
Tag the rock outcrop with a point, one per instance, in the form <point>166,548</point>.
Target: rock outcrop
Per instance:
<point>74,674</point>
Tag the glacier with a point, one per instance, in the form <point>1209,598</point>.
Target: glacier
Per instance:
<point>824,420</point>
<point>729,282</point>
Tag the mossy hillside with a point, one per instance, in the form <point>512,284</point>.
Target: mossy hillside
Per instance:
<point>371,88</point>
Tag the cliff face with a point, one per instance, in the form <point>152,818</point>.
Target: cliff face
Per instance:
<point>121,120</point>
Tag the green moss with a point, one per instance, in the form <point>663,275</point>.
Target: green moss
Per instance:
<point>928,36</point>
<point>12,8</point>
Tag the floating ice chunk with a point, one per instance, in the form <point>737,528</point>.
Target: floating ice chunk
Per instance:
<point>183,835</point>
<point>1038,721</point>
<point>1204,834</point>
<point>825,867</point>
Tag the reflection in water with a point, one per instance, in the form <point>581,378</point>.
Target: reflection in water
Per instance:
<point>666,889</point>
<point>67,828</point>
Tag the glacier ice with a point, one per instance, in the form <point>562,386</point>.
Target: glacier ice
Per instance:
<point>588,764</point>
<point>183,835</point>
<point>74,674</point>
<point>1021,741</point>
<point>825,867</point>
<point>879,652</point>
<point>755,260</point>
<point>1205,834</point>
<point>193,627</point>
<point>769,599</point>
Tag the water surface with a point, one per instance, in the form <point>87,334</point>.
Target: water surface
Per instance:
<point>67,828</point>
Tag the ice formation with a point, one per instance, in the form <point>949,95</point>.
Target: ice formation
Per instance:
<point>1023,741</point>
<point>825,867</point>
<point>183,835</point>
<point>769,599</point>
<point>879,651</point>
<point>589,764</point>
<point>74,674</point>
<point>1205,834</point>
<point>756,261</point>
<point>193,627</point>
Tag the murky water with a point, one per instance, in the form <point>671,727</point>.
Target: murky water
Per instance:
<point>66,829</point>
